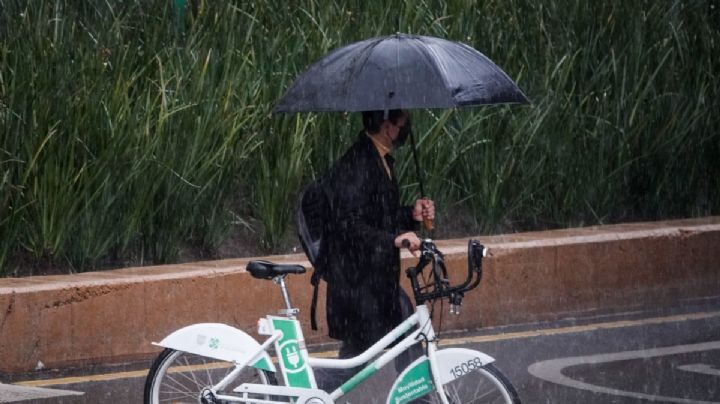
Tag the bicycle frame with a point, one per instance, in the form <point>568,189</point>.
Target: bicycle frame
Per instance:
<point>294,359</point>
<point>436,369</point>
<point>424,331</point>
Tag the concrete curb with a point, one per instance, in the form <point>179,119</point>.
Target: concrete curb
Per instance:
<point>69,320</point>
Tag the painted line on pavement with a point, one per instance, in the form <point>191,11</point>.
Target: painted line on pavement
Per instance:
<point>581,328</point>
<point>551,370</point>
<point>139,373</point>
<point>442,342</point>
<point>702,368</point>
<point>84,379</point>
<point>10,393</point>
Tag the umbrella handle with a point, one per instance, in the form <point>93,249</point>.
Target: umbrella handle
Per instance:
<point>427,223</point>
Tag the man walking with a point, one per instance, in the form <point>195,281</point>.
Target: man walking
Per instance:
<point>367,230</point>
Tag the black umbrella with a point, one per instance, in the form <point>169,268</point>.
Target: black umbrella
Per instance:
<point>400,72</point>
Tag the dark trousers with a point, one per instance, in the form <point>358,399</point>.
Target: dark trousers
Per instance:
<point>331,379</point>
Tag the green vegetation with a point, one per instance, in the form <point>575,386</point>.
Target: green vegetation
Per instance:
<point>132,130</point>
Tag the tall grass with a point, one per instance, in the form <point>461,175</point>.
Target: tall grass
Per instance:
<point>133,130</point>
<point>119,143</point>
<point>621,127</point>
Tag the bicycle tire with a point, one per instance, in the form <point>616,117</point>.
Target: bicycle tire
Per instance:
<point>487,385</point>
<point>178,376</point>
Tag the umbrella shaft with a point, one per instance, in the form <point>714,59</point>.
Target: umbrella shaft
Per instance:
<point>417,165</point>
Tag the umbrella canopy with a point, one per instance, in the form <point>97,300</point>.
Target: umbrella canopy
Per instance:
<point>400,72</point>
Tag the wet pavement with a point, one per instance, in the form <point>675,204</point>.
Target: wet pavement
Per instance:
<point>670,355</point>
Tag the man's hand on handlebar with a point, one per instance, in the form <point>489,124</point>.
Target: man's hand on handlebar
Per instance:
<point>408,240</point>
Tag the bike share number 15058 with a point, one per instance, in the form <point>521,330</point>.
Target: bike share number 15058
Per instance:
<point>466,367</point>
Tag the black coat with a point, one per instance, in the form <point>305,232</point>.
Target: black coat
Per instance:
<point>363,264</point>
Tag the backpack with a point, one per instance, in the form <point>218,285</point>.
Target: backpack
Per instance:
<point>313,215</point>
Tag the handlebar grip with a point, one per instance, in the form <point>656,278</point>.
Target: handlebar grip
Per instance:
<point>405,243</point>
<point>428,224</point>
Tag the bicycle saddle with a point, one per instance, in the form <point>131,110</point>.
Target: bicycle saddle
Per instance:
<point>268,270</point>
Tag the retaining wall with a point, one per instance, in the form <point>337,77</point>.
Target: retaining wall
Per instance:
<point>113,315</point>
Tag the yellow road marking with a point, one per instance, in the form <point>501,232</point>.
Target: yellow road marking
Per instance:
<point>449,341</point>
<point>579,328</point>
<point>141,373</point>
<point>84,379</point>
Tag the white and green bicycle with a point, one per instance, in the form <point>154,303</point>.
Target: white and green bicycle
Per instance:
<point>216,363</point>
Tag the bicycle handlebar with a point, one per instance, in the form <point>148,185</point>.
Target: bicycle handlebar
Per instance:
<point>440,287</point>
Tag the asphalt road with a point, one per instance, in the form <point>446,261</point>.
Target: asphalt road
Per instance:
<point>670,355</point>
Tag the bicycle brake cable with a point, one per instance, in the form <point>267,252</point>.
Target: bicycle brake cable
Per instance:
<point>424,336</point>
<point>442,309</point>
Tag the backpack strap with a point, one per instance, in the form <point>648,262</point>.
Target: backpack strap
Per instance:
<point>311,218</point>
<point>313,307</point>
<point>315,282</point>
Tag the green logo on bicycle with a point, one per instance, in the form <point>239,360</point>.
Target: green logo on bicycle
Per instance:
<point>292,359</point>
<point>291,356</point>
<point>415,383</point>
<point>214,343</point>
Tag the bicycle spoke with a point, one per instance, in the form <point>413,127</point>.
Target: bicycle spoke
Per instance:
<point>168,395</point>
<point>192,381</point>
<point>181,377</point>
<point>207,372</point>
<point>174,382</point>
<point>175,398</point>
<point>191,372</point>
<point>477,387</point>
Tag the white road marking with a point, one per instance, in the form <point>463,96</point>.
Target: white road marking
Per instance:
<point>551,370</point>
<point>700,368</point>
<point>10,393</point>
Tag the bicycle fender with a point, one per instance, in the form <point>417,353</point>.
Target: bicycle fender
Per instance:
<point>217,341</point>
<point>416,380</point>
<point>453,363</point>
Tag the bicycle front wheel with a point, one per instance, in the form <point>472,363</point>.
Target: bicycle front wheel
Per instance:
<point>485,385</point>
<point>181,377</point>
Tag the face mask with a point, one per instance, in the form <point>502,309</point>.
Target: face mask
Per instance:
<point>403,134</point>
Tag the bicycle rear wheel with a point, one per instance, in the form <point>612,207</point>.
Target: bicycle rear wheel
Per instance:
<point>486,385</point>
<point>181,377</point>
